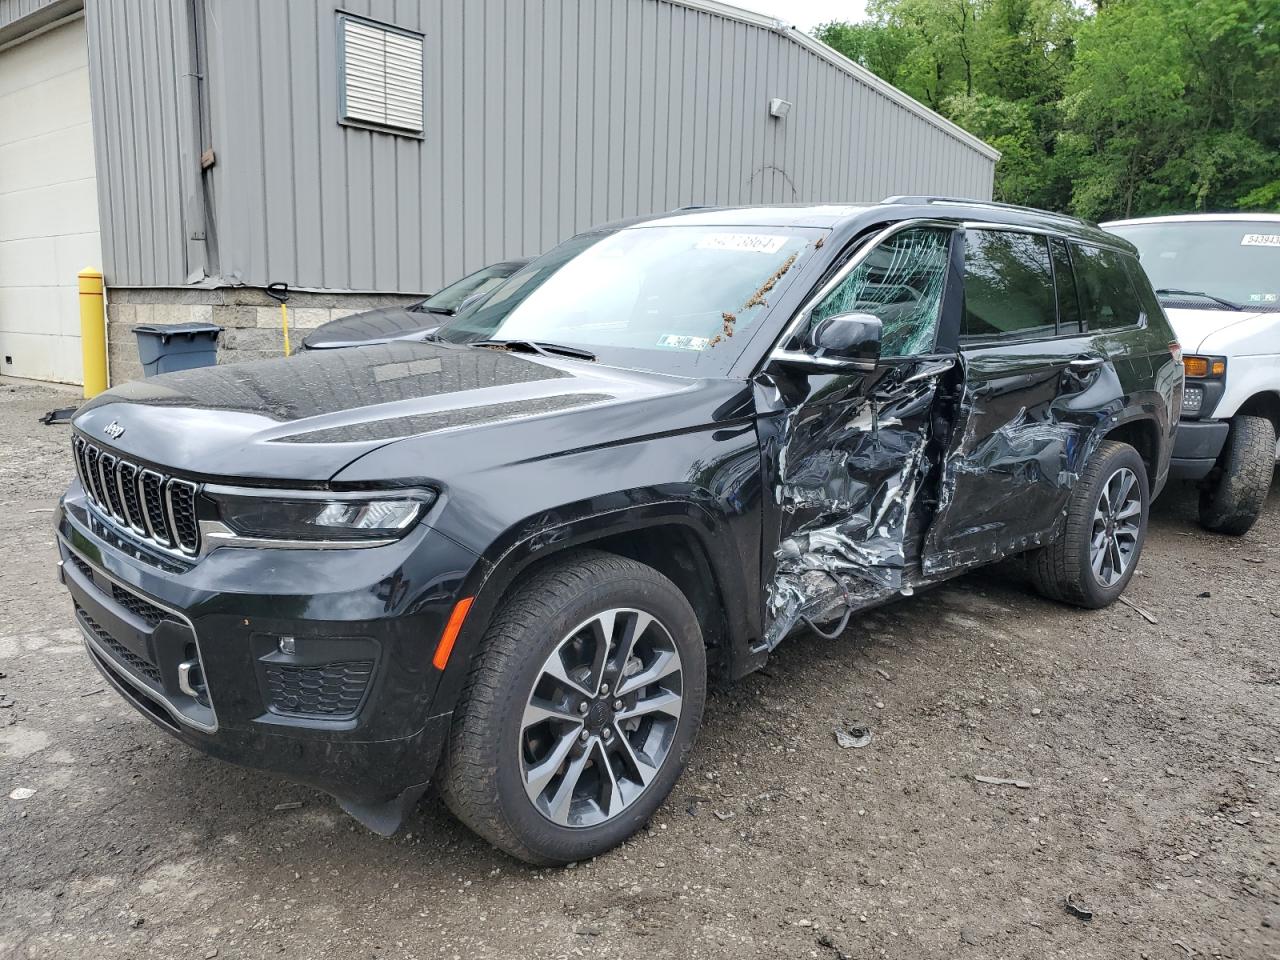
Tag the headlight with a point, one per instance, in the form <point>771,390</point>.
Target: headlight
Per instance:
<point>1192,401</point>
<point>290,515</point>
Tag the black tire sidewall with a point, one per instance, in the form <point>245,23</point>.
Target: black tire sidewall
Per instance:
<point>546,840</point>
<point>1096,593</point>
<point>1234,500</point>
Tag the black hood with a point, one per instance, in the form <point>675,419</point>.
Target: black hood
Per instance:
<point>305,417</point>
<point>373,326</point>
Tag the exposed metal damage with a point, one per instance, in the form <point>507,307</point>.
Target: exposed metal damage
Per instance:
<point>859,478</point>
<point>855,485</point>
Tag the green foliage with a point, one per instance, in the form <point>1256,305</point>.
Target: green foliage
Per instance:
<point>1139,107</point>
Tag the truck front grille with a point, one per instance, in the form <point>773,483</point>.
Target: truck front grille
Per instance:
<point>154,506</point>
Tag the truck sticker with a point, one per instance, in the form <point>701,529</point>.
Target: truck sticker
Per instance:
<point>1264,298</point>
<point>750,242</point>
<point>1260,240</point>
<point>682,342</point>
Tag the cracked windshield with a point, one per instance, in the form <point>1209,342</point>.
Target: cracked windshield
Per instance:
<point>669,299</point>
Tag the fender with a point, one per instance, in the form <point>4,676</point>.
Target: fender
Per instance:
<point>543,535</point>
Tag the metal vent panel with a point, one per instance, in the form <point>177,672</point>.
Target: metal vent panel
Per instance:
<point>382,76</point>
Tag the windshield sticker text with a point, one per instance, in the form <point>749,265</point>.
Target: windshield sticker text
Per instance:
<point>1260,240</point>
<point>750,242</point>
<point>1264,298</point>
<point>682,342</point>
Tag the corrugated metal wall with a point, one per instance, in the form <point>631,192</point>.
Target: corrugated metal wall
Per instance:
<point>137,73</point>
<point>543,117</point>
<point>20,17</point>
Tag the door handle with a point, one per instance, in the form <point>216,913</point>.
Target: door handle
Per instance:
<point>1085,364</point>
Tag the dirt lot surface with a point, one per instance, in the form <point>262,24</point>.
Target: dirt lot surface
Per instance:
<point>1152,754</point>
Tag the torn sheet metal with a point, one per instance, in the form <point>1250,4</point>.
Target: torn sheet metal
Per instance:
<point>847,486</point>
<point>1004,486</point>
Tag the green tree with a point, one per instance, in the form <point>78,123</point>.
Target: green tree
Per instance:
<point>1133,107</point>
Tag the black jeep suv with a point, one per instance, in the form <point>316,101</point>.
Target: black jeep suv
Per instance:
<point>511,557</point>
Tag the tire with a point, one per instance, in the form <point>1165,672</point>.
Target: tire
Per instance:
<point>1065,570</point>
<point>494,752</point>
<point>1232,499</point>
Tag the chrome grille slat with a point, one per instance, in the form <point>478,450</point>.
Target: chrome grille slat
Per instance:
<point>150,504</point>
<point>153,505</point>
<point>127,481</point>
<point>107,464</point>
<point>91,468</point>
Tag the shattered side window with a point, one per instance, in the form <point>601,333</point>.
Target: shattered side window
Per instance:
<point>900,283</point>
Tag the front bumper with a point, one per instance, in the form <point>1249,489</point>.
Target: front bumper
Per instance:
<point>347,706</point>
<point>1196,446</point>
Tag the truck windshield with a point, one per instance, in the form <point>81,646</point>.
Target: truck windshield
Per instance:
<point>1235,260</point>
<point>672,299</point>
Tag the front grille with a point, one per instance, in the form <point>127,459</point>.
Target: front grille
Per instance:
<point>135,663</point>
<point>137,605</point>
<point>331,690</point>
<point>157,507</point>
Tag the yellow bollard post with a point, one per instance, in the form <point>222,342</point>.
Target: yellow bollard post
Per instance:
<point>93,332</point>
<point>284,325</point>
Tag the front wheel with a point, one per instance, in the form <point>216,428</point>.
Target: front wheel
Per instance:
<point>1094,559</point>
<point>579,712</point>
<point>1231,500</point>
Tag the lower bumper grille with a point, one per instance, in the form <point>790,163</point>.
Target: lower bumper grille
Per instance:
<point>332,690</point>
<point>139,666</point>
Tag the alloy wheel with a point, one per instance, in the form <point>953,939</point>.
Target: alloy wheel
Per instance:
<point>600,720</point>
<point>1117,522</point>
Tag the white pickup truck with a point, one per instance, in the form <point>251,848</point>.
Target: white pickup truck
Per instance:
<point>1218,278</point>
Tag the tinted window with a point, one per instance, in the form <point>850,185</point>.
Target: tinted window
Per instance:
<point>1065,281</point>
<point>1106,294</point>
<point>901,283</point>
<point>1008,286</point>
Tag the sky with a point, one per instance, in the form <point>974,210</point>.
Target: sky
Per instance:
<point>807,14</point>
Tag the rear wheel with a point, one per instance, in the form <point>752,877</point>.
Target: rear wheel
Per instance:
<point>1232,499</point>
<point>1094,559</point>
<point>580,710</point>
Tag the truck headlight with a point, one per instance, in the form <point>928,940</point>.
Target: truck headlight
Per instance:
<point>303,516</point>
<point>1192,401</point>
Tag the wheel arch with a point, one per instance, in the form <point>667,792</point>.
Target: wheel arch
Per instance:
<point>677,538</point>
<point>1144,435</point>
<point>1264,403</point>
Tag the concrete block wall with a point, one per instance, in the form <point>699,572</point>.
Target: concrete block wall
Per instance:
<point>249,318</point>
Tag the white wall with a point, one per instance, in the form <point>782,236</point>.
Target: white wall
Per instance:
<point>48,202</point>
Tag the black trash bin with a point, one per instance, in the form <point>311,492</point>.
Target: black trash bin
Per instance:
<point>164,348</point>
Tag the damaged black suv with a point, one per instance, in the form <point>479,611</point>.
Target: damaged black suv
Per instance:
<point>509,557</point>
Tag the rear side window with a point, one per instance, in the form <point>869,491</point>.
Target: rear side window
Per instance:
<point>1106,292</point>
<point>1008,287</point>
<point>1064,280</point>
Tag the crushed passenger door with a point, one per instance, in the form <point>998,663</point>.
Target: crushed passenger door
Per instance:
<point>847,452</point>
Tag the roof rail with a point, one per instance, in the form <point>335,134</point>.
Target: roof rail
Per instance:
<point>988,203</point>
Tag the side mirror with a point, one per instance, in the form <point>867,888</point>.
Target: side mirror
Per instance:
<point>844,342</point>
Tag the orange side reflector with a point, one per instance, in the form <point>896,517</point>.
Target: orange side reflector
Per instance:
<point>450,635</point>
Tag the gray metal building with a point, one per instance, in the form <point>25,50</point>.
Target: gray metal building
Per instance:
<point>381,147</point>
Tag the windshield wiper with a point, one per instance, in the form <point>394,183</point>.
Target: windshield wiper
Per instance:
<point>1229,304</point>
<point>539,347</point>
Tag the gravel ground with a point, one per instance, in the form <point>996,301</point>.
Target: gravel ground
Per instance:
<point>1152,754</point>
